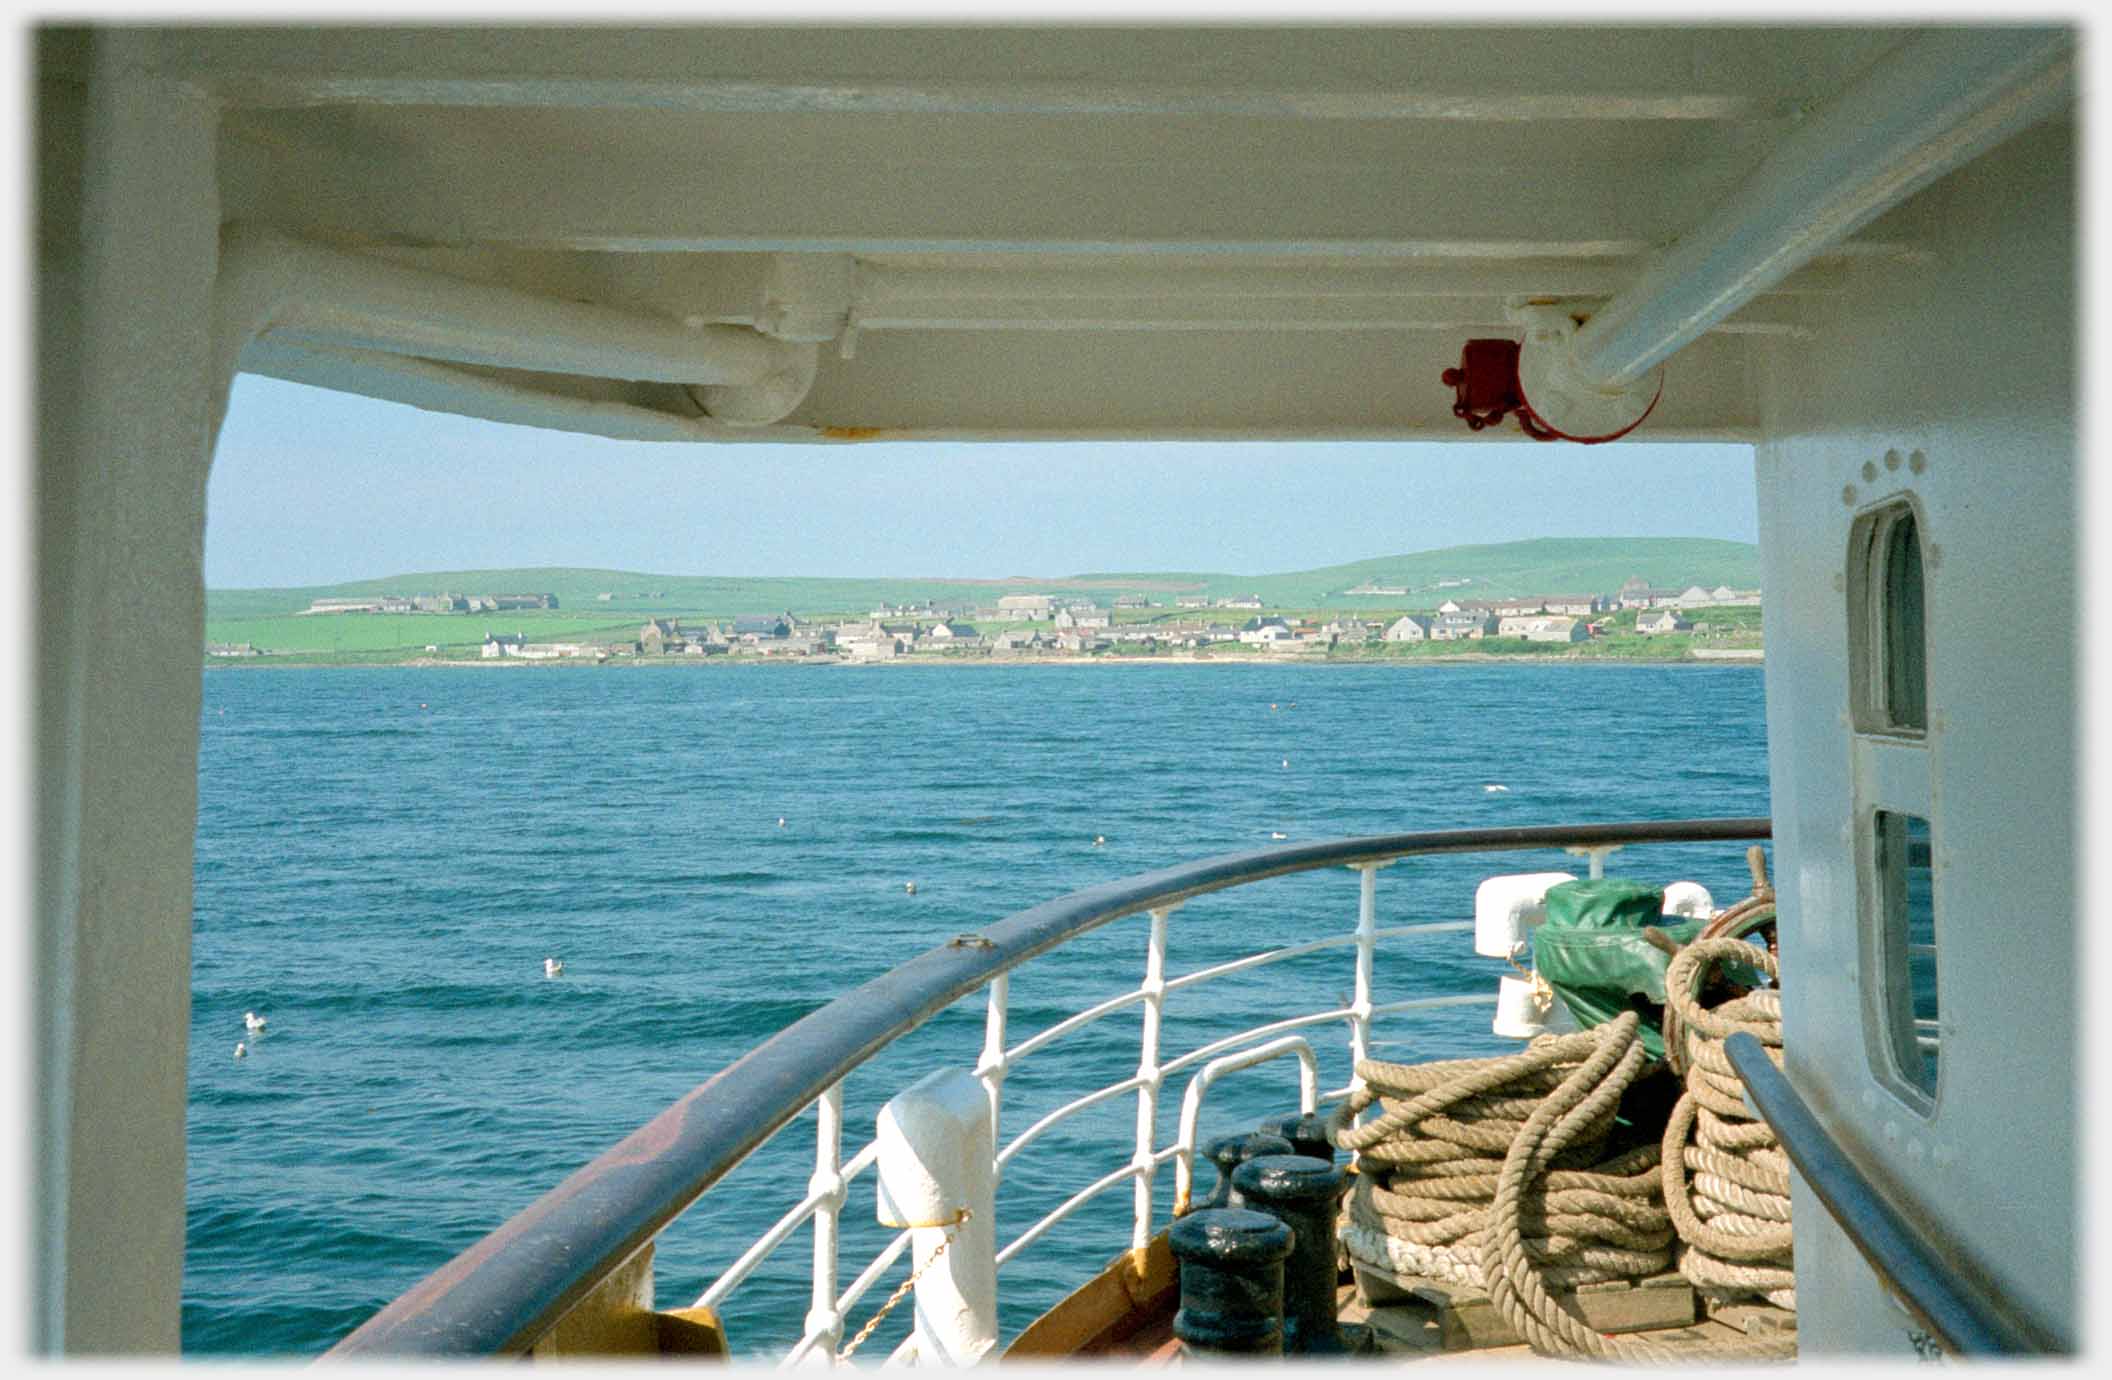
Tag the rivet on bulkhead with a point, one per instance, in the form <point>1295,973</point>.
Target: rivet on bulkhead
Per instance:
<point>1917,462</point>
<point>1870,470</point>
<point>1891,459</point>
<point>1848,495</point>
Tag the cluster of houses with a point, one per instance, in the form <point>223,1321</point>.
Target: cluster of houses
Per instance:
<point>1040,624</point>
<point>433,603</point>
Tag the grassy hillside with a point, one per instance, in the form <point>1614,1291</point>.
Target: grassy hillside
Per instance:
<point>264,618</point>
<point>1550,565</point>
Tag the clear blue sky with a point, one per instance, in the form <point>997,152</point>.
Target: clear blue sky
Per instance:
<point>312,487</point>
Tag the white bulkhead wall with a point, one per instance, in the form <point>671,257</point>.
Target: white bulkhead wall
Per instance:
<point>1967,377</point>
<point>128,233</point>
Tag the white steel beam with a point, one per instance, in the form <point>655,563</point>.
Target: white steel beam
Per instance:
<point>1946,96</point>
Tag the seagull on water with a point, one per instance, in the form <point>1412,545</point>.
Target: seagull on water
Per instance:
<point>1274,835</point>
<point>241,1050</point>
<point>1497,790</point>
<point>780,821</point>
<point>552,967</point>
<point>1099,840</point>
<point>252,1021</point>
<point>910,887</point>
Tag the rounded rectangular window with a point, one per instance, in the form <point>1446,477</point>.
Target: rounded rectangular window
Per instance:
<point>1887,626</point>
<point>1905,935</point>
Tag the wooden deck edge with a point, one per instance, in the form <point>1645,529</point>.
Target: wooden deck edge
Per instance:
<point>1136,1289</point>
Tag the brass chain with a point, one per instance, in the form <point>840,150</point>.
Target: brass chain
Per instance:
<point>953,1229</point>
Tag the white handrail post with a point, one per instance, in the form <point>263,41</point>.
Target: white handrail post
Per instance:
<point>937,1177</point>
<point>1597,853</point>
<point>1367,946</point>
<point>1148,1076</point>
<point>992,1066</point>
<point>824,1318</point>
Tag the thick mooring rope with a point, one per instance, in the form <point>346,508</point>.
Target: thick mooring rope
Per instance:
<point>1497,1173</point>
<point>1726,1180</point>
<point>1429,1168</point>
<point>1517,1288</point>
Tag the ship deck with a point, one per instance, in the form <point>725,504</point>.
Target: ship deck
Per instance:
<point>1414,1328</point>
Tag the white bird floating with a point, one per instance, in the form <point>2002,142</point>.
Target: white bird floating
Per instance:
<point>241,1050</point>
<point>1099,840</point>
<point>1497,790</point>
<point>552,967</point>
<point>252,1021</point>
<point>1274,835</point>
<point>780,821</point>
<point>910,887</point>
<point>1286,763</point>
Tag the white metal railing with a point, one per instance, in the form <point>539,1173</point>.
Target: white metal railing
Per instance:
<point>479,1305</point>
<point>828,1188</point>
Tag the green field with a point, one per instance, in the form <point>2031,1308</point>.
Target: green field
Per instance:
<point>1554,565</point>
<point>410,633</point>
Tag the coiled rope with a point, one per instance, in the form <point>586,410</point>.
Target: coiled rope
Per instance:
<point>1726,1180</point>
<point>1429,1167</point>
<point>1517,1287</point>
<point>1493,1173</point>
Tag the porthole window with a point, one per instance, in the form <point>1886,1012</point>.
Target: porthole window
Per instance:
<point>1905,939</point>
<point>1887,626</point>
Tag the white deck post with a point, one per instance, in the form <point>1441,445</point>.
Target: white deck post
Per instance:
<point>823,1317</point>
<point>1367,945</point>
<point>1148,1077</point>
<point>937,1176</point>
<point>992,1066</point>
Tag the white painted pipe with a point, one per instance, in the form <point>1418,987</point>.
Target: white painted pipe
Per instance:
<point>1942,98</point>
<point>1199,1086</point>
<point>307,293</point>
<point>938,1177</point>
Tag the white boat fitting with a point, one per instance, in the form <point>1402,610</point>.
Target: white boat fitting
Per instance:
<point>1852,247</point>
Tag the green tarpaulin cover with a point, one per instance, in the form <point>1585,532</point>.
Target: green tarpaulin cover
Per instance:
<point>1592,952</point>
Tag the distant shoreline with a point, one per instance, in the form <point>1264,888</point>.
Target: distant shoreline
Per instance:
<point>1732,657</point>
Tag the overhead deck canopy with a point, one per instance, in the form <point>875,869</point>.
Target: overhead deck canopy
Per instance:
<point>1022,232</point>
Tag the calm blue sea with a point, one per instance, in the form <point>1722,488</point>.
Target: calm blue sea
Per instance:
<point>386,857</point>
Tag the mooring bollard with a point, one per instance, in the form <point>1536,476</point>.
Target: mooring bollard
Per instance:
<point>936,1177</point>
<point>1228,1153</point>
<point>1300,1191</point>
<point>1306,1131</point>
<point>1231,1282</point>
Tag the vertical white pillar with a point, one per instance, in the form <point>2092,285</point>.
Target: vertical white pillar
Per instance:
<point>1367,946</point>
<point>991,1067</point>
<point>936,1163</point>
<point>823,1317</point>
<point>1149,1076</point>
<point>127,242</point>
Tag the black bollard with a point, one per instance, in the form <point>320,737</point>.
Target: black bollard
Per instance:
<point>1300,1191</point>
<point>1306,1131</point>
<point>1231,1282</point>
<point>1228,1153</point>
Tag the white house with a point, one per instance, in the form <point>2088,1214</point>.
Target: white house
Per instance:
<point>1460,627</point>
<point>1083,616</point>
<point>1661,621</point>
<point>1409,627</point>
<point>1558,630</point>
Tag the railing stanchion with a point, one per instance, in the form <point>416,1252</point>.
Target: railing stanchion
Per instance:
<point>936,1162</point>
<point>992,1066</point>
<point>1148,1074</point>
<point>823,1317</point>
<point>1367,945</point>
